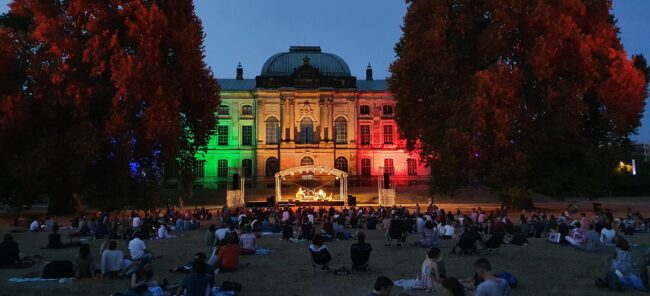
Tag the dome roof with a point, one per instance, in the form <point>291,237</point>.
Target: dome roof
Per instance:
<point>284,63</point>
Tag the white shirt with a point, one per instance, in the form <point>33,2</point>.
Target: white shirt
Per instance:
<point>34,226</point>
<point>136,248</point>
<point>606,236</point>
<point>449,230</point>
<point>481,218</point>
<point>419,225</point>
<point>162,232</point>
<point>285,216</point>
<point>136,222</point>
<point>310,216</point>
<point>221,233</point>
<point>112,260</point>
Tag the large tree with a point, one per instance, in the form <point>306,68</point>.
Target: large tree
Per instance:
<point>518,95</point>
<point>106,93</point>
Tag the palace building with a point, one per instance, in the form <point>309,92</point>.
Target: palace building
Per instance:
<point>305,108</point>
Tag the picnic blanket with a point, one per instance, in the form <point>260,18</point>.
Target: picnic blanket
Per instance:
<point>31,280</point>
<point>409,284</point>
<point>293,240</point>
<point>262,251</point>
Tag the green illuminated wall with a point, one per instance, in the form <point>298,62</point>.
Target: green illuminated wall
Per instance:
<point>234,153</point>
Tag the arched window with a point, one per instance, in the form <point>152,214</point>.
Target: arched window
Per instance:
<point>222,168</point>
<point>340,163</point>
<point>387,110</point>
<point>223,110</point>
<point>272,166</point>
<point>341,129</point>
<point>247,167</point>
<point>365,167</point>
<point>306,131</point>
<point>412,167</point>
<point>389,167</point>
<point>272,131</point>
<point>364,110</point>
<point>307,161</point>
<point>247,110</point>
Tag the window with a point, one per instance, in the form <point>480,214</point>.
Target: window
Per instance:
<point>247,110</point>
<point>247,135</point>
<point>364,110</point>
<point>365,167</point>
<point>222,135</point>
<point>222,168</point>
<point>387,110</point>
<point>340,163</point>
<point>388,134</point>
<point>223,110</point>
<point>306,131</point>
<point>388,166</point>
<point>197,171</point>
<point>307,161</point>
<point>341,130</point>
<point>272,131</point>
<point>247,167</point>
<point>365,135</point>
<point>412,167</point>
<point>272,166</point>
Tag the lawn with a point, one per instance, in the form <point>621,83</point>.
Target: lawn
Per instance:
<point>542,268</point>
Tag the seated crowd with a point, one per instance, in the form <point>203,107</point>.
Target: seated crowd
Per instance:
<point>239,230</point>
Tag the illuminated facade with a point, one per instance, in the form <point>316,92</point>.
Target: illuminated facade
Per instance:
<point>305,108</point>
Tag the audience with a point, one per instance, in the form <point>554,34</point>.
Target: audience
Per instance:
<point>452,287</point>
<point>360,252</point>
<point>198,283</point>
<point>138,249</point>
<point>383,287</point>
<point>112,261</point>
<point>84,263</point>
<point>319,252</point>
<point>432,271</point>
<point>607,235</point>
<point>248,242</point>
<point>54,240</point>
<point>9,251</point>
<point>229,254</point>
<point>490,285</point>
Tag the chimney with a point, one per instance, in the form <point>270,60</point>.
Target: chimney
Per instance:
<point>240,72</point>
<point>369,72</point>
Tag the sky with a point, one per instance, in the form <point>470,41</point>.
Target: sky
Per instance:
<point>359,31</point>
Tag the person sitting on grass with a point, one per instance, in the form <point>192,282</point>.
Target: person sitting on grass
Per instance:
<point>383,286</point>
<point>287,230</point>
<point>467,241</point>
<point>452,287</point>
<point>429,236</point>
<point>577,236</point>
<point>9,251</point>
<point>519,238</point>
<point>112,261</point>
<point>607,235</point>
<point>229,254</point>
<point>621,273</point>
<point>360,252</point>
<point>248,242</point>
<point>163,232</point>
<point>138,249</point>
<point>319,252</point>
<point>306,231</point>
<point>432,271</point>
<point>490,285</point>
<point>199,282</point>
<point>54,240</point>
<point>143,283</point>
<point>84,263</point>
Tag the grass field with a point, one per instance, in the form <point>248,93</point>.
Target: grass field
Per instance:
<point>541,268</point>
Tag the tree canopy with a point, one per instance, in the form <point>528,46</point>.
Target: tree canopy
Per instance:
<point>98,96</point>
<point>517,95</point>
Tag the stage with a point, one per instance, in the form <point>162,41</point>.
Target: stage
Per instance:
<point>297,203</point>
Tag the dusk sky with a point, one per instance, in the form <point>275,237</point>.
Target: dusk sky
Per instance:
<point>359,31</point>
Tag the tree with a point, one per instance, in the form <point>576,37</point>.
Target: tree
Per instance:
<point>521,96</point>
<point>115,89</point>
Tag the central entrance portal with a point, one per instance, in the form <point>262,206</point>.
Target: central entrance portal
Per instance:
<point>311,183</point>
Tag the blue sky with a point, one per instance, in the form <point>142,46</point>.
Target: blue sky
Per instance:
<point>360,31</point>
